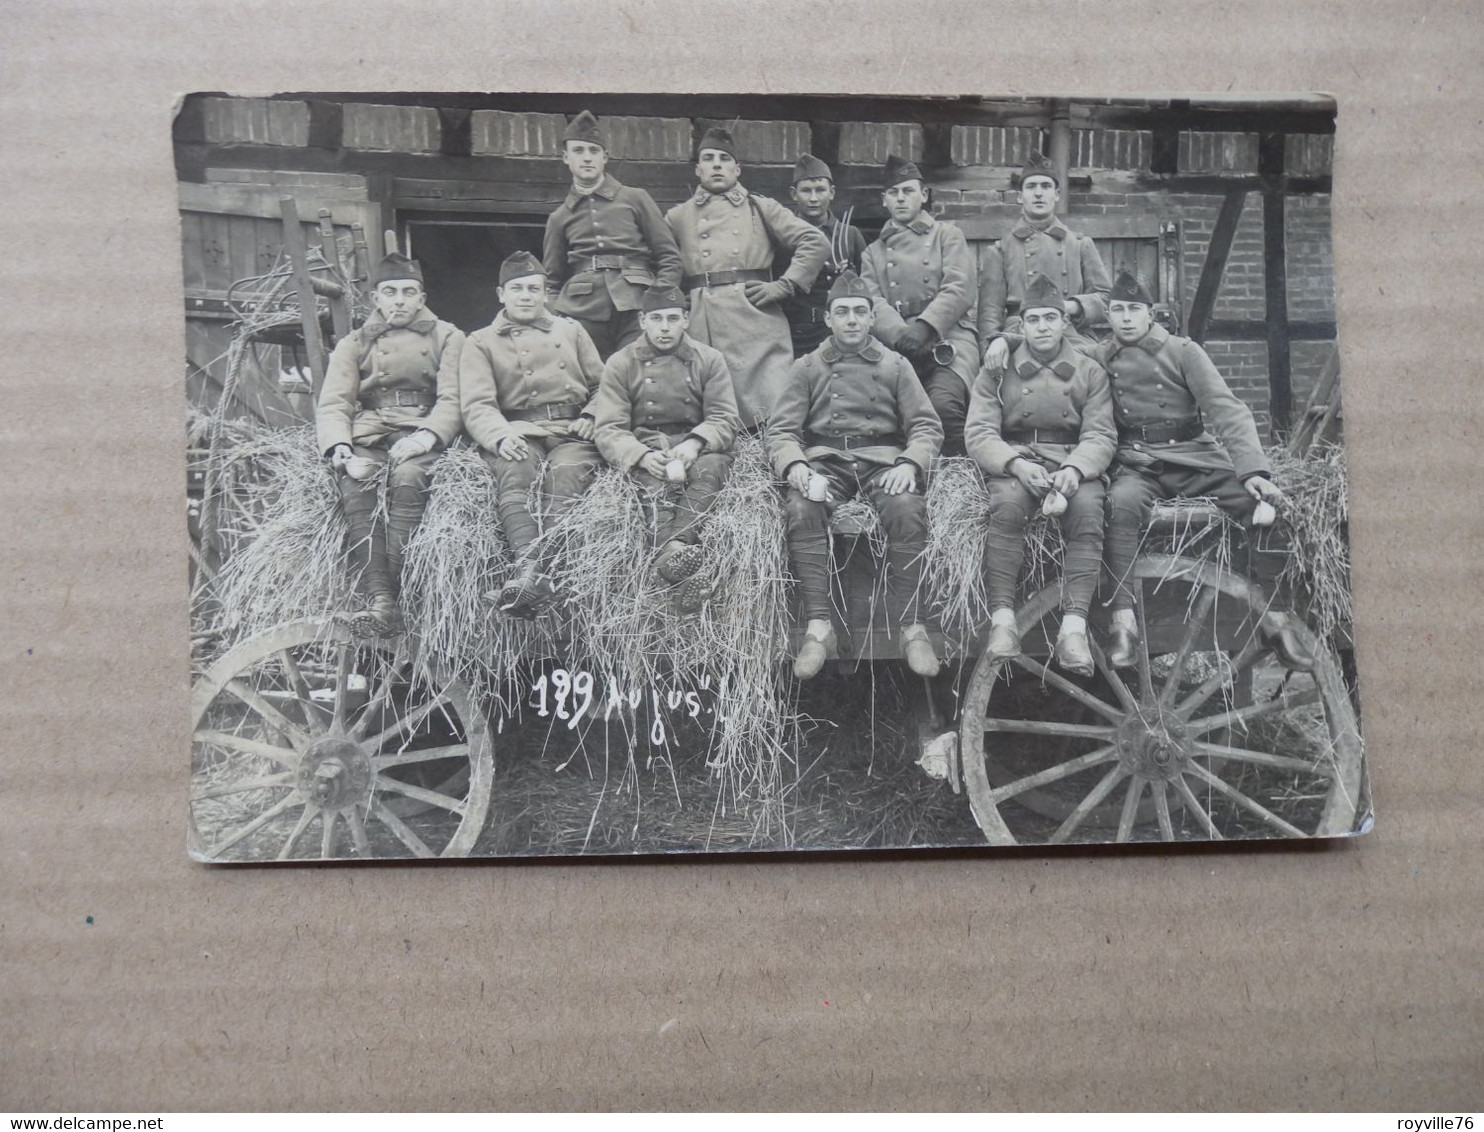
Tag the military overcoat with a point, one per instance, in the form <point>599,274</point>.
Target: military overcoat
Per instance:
<point>514,367</point>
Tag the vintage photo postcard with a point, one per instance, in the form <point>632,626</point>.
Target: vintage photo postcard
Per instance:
<point>614,474</point>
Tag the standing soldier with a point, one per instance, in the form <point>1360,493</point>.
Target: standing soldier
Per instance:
<point>390,398</point>
<point>813,192</point>
<point>667,415</point>
<point>605,244</point>
<point>1045,426</point>
<point>1168,399</point>
<point>853,420</point>
<point>526,383</point>
<point>729,241</point>
<point>921,275</point>
<point>1040,244</point>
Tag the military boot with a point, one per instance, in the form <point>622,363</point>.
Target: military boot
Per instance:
<point>819,645</point>
<point>367,559</point>
<point>917,650</point>
<point>1277,633</point>
<point>526,592</point>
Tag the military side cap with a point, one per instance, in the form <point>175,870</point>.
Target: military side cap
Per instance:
<point>518,265</point>
<point>663,299</point>
<point>808,167</point>
<point>717,137</point>
<point>1042,292</point>
<point>1036,165</point>
<point>848,285</point>
<point>1127,288</point>
<point>395,265</point>
<point>584,128</point>
<point>899,169</point>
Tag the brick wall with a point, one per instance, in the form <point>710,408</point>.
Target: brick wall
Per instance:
<point>763,143</point>
<point>868,143</point>
<point>255,121</point>
<point>1309,251</point>
<point>994,145</point>
<point>1245,367</point>
<point>391,129</point>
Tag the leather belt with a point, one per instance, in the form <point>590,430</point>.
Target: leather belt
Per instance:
<point>722,278</point>
<point>608,263</point>
<point>397,398</point>
<point>1042,436</point>
<point>846,443</point>
<point>568,411</point>
<point>669,427</point>
<point>1162,432</point>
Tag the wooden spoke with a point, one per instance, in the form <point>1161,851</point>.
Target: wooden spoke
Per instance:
<point>1087,805</point>
<point>1208,723</point>
<point>1194,806</point>
<point>1245,659</point>
<point>314,715</point>
<point>1048,727</point>
<point>1146,678</point>
<point>298,831</point>
<point>411,723</point>
<point>1051,774</point>
<point>297,736</point>
<point>343,666</point>
<point>1115,681</point>
<point>427,754</point>
<point>1130,809</point>
<point>1162,810</point>
<point>242,786</point>
<point>281,755</point>
<point>1198,618</point>
<point>358,832</point>
<point>1221,786</point>
<point>252,827</point>
<point>380,697</point>
<point>327,834</point>
<point>432,797</point>
<point>403,834</point>
<point>1262,758</point>
<point>1060,682</point>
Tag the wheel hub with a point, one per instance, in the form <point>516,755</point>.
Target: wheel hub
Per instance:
<point>335,773</point>
<point>1157,747</point>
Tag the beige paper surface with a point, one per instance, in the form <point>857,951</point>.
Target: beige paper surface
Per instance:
<point>1288,978</point>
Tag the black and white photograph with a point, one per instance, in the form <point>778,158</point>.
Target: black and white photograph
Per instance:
<point>608,474</point>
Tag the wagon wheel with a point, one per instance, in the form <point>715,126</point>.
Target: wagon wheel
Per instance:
<point>1289,763</point>
<point>309,743</point>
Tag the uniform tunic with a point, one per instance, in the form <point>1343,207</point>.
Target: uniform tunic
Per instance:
<point>512,367</point>
<point>1068,259</point>
<point>420,359</point>
<point>737,231</point>
<point>1067,391</point>
<point>805,312</point>
<point>612,220</point>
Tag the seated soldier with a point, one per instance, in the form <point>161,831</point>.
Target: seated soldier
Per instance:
<point>390,398</point>
<point>526,382</point>
<point>1166,396</point>
<point>854,419</point>
<point>1045,426</point>
<point>667,414</point>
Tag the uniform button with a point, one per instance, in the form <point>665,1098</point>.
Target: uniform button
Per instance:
<point>1161,404</point>
<point>705,235</point>
<point>1065,414</point>
<point>834,394</point>
<point>381,373</point>
<point>515,334</point>
<point>705,253</point>
<point>926,262</point>
<point>561,365</point>
<point>425,352</point>
<point>529,372</point>
<point>649,381</point>
<point>893,283</point>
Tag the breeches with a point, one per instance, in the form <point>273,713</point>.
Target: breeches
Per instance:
<point>949,394</point>
<point>681,508</point>
<point>376,547</point>
<point>1010,508</point>
<point>570,467</point>
<point>903,517</point>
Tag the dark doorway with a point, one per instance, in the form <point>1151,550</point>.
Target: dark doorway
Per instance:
<point>461,254</point>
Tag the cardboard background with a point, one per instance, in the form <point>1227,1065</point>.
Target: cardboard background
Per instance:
<point>1345,976</point>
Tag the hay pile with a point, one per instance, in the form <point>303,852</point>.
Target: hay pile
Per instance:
<point>1316,512</point>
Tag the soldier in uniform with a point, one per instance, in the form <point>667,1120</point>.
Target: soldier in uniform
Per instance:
<point>667,414</point>
<point>1040,244</point>
<point>389,402</point>
<point>1168,400</point>
<point>813,192</point>
<point>1046,425</point>
<point>854,419</point>
<point>605,245</point>
<point>729,241</point>
<point>921,275</point>
<point>526,384</point>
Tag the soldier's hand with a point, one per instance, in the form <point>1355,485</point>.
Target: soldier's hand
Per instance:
<point>1263,490</point>
<point>686,452</point>
<point>761,294</point>
<point>1073,308</point>
<point>1031,475</point>
<point>654,463</point>
<point>916,338</point>
<point>582,428</point>
<point>512,448</point>
<point>997,357</point>
<point>339,454</point>
<point>902,478</point>
<point>410,447</point>
<point>798,476</point>
<point>1066,480</point>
